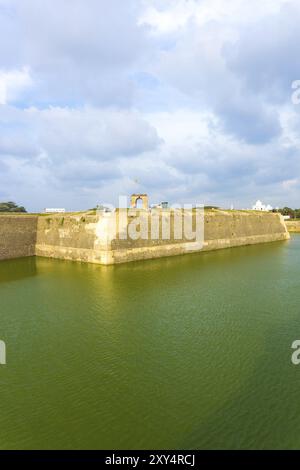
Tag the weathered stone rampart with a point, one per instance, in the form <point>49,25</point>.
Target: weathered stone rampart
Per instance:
<point>17,236</point>
<point>293,226</point>
<point>90,238</point>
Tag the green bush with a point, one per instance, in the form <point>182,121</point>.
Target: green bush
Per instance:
<point>11,207</point>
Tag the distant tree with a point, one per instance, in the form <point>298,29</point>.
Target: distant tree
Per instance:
<point>11,207</point>
<point>287,211</point>
<point>293,213</point>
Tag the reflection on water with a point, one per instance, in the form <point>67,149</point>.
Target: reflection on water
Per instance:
<point>13,270</point>
<point>190,351</point>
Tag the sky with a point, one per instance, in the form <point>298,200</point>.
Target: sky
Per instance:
<point>190,101</point>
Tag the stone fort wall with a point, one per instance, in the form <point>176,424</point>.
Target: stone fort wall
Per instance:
<point>293,226</point>
<point>18,235</point>
<point>90,238</point>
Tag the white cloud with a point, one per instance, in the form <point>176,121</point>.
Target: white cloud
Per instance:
<point>189,97</point>
<point>75,148</point>
<point>13,83</point>
<point>172,15</point>
<point>93,133</point>
<point>290,184</point>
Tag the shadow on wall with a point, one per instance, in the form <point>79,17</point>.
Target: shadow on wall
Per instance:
<point>18,236</point>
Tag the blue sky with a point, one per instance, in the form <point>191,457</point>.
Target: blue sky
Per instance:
<point>187,100</point>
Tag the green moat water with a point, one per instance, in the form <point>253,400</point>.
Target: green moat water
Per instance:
<point>185,352</point>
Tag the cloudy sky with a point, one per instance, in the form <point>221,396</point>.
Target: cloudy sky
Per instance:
<point>187,100</point>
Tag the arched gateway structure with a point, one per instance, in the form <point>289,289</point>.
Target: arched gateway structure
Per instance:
<point>139,197</point>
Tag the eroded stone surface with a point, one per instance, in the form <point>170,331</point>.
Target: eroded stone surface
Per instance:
<point>90,238</point>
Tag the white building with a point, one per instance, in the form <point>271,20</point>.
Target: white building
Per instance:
<point>259,206</point>
<point>55,211</point>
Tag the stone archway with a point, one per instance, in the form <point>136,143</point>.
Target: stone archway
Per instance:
<point>137,197</point>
